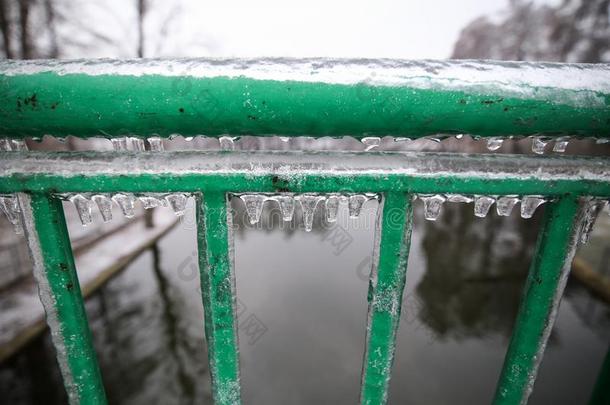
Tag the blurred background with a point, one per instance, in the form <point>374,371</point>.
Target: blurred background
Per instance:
<point>302,304</point>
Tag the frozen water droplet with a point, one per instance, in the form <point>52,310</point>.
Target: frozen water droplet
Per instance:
<point>5,145</point>
<point>602,141</point>
<point>177,202</point>
<point>286,203</point>
<point>561,144</point>
<point>505,205</point>
<point>332,208</point>
<point>494,144</point>
<point>459,136</point>
<point>592,210</point>
<point>432,206</point>
<point>227,142</point>
<point>135,144</point>
<point>149,202</point>
<point>529,205</point>
<point>156,144</point>
<point>254,206</point>
<point>19,144</point>
<point>284,138</point>
<point>127,203</point>
<point>308,205</point>
<point>401,139</point>
<point>119,144</point>
<point>104,204</point>
<point>355,205</point>
<point>539,143</point>
<point>371,142</point>
<point>10,206</point>
<point>482,204</point>
<point>459,198</point>
<point>83,208</point>
<point>12,145</point>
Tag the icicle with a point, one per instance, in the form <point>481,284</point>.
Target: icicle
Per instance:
<point>104,204</point>
<point>227,142</point>
<point>10,206</point>
<point>286,203</point>
<point>432,206</point>
<point>371,142</point>
<point>505,205</point>
<point>308,205</point>
<point>402,139</point>
<point>135,144</point>
<point>355,205</point>
<point>284,139</point>
<point>459,198</point>
<point>119,144</point>
<point>434,139</point>
<point>601,141</point>
<point>482,204</point>
<point>254,206</point>
<point>529,205</point>
<point>156,144</point>
<point>539,143</point>
<point>149,202</point>
<point>5,145</point>
<point>127,203</point>
<point>83,208</point>
<point>332,208</point>
<point>592,209</point>
<point>561,144</point>
<point>177,203</point>
<point>494,144</point>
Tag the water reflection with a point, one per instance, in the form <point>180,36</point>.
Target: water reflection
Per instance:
<point>474,274</point>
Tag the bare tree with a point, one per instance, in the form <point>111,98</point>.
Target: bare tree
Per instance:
<point>4,26</point>
<point>142,8</point>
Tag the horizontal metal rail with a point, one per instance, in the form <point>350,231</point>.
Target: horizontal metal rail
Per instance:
<point>315,97</point>
<point>302,172</point>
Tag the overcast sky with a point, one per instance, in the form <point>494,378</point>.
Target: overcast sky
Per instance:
<point>411,29</point>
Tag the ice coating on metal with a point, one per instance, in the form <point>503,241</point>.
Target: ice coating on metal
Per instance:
<point>518,79</point>
<point>47,298</point>
<point>298,164</point>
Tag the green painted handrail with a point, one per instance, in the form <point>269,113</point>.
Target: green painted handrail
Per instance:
<point>315,97</point>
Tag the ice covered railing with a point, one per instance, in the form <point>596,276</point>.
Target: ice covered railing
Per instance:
<point>140,103</point>
<point>227,106</point>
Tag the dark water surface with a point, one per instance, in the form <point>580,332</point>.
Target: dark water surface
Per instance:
<point>302,312</point>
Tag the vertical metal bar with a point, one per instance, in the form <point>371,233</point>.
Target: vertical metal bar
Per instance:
<point>544,287</point>
<point>386,287</point>
<point>601,392</point>
<point>61,297</point>
<point>218,287</point>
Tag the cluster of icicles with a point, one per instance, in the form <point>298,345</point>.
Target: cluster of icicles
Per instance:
<point>126,202</point>
<point>155,143</point>
<point>433,203</point>
<point>254,204</point>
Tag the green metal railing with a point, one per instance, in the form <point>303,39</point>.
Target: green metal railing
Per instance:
<point>363,99</point>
